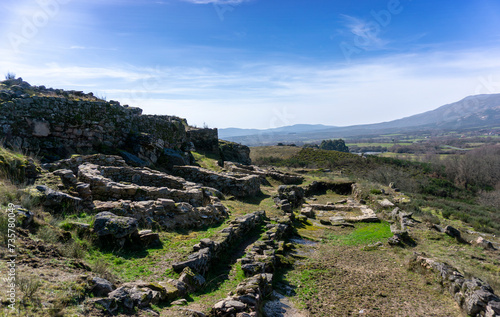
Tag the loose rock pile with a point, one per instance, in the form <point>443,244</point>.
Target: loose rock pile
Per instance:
<point>294,195</point>
<point>165,213</point>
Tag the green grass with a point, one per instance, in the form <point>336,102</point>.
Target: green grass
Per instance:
<point>207,161</point>
<point>280,152</point>
<point>365,233</point>
<point>151,264</point>
<point>382,144</point>
<point>306,280</point>
<point>13,165</point>
<point>217,289</point>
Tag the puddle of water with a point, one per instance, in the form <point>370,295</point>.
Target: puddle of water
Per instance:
<point>305,249</point>
<point>302,241</point>
<point>280,306</point>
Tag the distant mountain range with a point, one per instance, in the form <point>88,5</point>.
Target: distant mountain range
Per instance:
<point>473,112</point>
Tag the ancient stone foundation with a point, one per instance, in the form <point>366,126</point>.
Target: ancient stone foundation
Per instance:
<point>207,251</point>
<point>238,185</point>
<point>54,124</point>
<point>474,296</point>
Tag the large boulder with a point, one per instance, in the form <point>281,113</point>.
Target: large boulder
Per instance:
<point>23,216</point>
<point>108,225</point>
<point>101,287</point>
<point>59,201</point>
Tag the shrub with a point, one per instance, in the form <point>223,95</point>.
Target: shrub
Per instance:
<point>73,249</point>
<point>29,286</point>
<point>4,225</point>
<point>334,145</point>
<point>490,198</point>
<point>102,269</point>
<point>10,75</point>
<point>48,235</point>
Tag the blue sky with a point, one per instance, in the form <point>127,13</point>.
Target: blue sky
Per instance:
<point>259,63</point>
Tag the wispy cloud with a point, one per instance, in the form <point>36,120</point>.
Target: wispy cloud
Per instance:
<point>367,33</point>
<point>248,95</point>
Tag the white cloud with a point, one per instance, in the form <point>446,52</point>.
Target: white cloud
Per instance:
<point>264,95</point>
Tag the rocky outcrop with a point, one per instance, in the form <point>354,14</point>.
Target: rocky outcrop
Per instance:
<point>57,201</point>
<point>451,231</point>
<point>105,183</point>
<point>112,228</point>
<point>367,215</point>
<point>76,160</point>
<point>109,182</point>
<point>483,243</point>
<point>24,217</point>
<point>238,185</point>
<point>385,203</point>
<point>142,295</point>
<point>101,287</point>
<point>234,152</point>
<point>474,296</point>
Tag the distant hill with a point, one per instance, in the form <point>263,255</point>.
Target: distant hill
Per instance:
<point>292,129</point>
<point>473,112</point>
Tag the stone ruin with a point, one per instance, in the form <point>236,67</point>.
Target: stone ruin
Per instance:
<point>54,124</point>
<point>285,178</point>
<point>238,185</point>
<point>340,213</point>
<point>401,221</point>
<point>106,185</point>
<point>473,295</point>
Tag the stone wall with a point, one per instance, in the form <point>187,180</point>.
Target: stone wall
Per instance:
<point>474,296</point>
<point>204,140</point>
<point>54,124</point>
<point>208,251</point>
<point>57,127</point>
<point>105,188</point>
